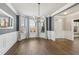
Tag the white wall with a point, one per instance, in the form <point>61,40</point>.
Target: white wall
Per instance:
<point>68,30</point>
<point>7,41</point>
<point>43,35</point>
<point>69,35</point>
<point>22,32</point>
<point>70,18</point>
<point>64,26</point>
<point>33,34</point>
<point>22,36</point>
<point>58,27</point>
<point>51,35</point>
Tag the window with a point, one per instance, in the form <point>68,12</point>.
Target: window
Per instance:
<point>32,25</point>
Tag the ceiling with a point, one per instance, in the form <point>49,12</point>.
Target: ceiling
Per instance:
<point>31,9</point>
<point>2,14</point>
<point>71,10</point>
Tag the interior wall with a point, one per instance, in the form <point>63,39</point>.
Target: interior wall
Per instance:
<point>23,27</point>
<point>50,30</point>
<point>4,7</point>
<point>64,26</point>
<point>68,21</point>
<point>8,37</point>
<point>26,23</point>
<point>58,26</point>
<point>70,25</point>
<point>68,33</point>
<point>7,41</point>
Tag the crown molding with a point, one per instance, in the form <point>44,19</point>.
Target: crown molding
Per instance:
<point>11,7</point>
<point>1,10</point>
<point>63,8</point>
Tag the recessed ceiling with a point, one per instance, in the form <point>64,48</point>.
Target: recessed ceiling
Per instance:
<point>31,9</point>
<point>71,10</point>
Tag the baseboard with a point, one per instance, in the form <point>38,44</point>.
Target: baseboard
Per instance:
<point>11,47</point>
<point>62,39</point>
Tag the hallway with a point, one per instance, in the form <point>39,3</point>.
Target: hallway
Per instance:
<point>40,46</point>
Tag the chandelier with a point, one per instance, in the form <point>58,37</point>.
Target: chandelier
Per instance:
<point>38,17</point>
<point>38,12</point>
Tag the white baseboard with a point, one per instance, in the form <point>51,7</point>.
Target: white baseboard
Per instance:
<point>69,35</point>
<point>51,35</point>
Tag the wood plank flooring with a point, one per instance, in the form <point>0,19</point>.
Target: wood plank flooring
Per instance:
<point>45,47</point>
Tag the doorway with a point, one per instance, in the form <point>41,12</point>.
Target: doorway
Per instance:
<point>76,29</point>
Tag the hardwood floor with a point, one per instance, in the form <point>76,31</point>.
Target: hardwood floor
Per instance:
<point>45,47</point>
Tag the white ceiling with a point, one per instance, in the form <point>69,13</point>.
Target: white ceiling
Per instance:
<point>2,14</point>
<point>31,9</point>
<point>71,10</point>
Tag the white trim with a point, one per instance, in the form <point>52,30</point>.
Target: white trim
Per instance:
<point>6,13</point>
<point>74,18</point>
<point>7,28</point>
<point>63,8</point>
<point>11,7</point>
<point>7,41</point>
<point>72,14</point>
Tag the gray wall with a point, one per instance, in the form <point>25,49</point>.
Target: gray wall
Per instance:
<point>9,11</point>
<point>52,23</point>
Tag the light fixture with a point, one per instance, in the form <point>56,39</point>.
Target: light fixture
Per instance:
<point>65,13</point>
<point>38,17</point>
